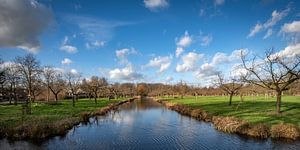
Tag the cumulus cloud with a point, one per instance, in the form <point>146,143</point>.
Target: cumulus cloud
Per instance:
<point>189,62</point>
<point>183,42</point>
<point>290,51</point>
<point>66,61</point>
<point>74,71</point>
<point>206,70</point>
<point>163,63</point>
<point>123,53</point>
<point>276,16</point>
<point>155,5</point>
<point>127,74</point>
<point>67,47</point>
<point>21,23</point>
<point>224,58</point>
<point>293,27</point>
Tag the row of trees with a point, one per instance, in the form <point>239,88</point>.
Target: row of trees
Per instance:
<point>25,79</point>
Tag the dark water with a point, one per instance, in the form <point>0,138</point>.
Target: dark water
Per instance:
<point>145,124</point>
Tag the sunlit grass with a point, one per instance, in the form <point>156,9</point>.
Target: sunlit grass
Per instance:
<point>253,109</point>
<point>11,115</point>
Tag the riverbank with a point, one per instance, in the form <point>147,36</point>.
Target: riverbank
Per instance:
<point>49,119</point>
<point>252,117</point>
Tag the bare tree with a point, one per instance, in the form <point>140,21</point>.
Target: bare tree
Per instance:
<point>231,86</point>
<point>274,71</point>
<point>96,84</point>
<point>73,84</point>
<point>182,88</point>
<point>29,68</point>
<point>12,77</point>
<point>48,74</point>
<point>54,81</point>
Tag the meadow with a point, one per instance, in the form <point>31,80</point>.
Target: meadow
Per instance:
<point>255,110</point>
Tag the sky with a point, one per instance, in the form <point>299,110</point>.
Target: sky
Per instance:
<point>151,41</point>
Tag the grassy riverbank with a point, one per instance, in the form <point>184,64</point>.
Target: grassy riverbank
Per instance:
<point>47,115</point>
<point>253,109</point>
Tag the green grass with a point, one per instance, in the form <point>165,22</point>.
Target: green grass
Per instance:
<point>11,115</point>
<point>253,109</point>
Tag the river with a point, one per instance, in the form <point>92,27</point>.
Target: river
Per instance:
<point>146,124</point>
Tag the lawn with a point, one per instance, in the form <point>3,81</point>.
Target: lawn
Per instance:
<point>253,109</point>
<point>43,113</point>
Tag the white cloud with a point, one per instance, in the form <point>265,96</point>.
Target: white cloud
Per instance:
<point>22,21</point>
<point>169,79</point>
<point>74,71</point>
<point>66,47</point>
<point>155,5</point>
<point>189,62</point>
<point>219,2</point>
<point>290,51</point>
<point>206,70</point>
<point>66,61</point>
<point>224,58</point>
<point>163,63</point>
<point>123,53</point>
<point>293,27</point>
<point>269,33</point>
<point>185,40</point>
<point>255,30</point>
<point>127,74</point>
<point>275,18</point>
<point>179,50</point>
<point>95,44</point>
<point>206,40</point>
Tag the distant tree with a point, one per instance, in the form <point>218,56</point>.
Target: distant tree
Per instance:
<point>86,87</point>
<point>56,83</point>
<point>2,77</point>
<point>142,89</point>
<point>274,71</point>
<point>29,68</point>
<point>96,84</point>
<point>73,84</point>
<point>182,88</point>
<point>231,86</point>
<point>13,79</point>
<point>48,75</point>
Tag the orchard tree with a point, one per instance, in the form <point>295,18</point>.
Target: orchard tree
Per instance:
<point>73,84</point>
<point>231,86</point>
<point>274,71</point>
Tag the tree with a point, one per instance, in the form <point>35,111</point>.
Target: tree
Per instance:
<point>182,88</point>
<point>73,84</point>
<point>274,71</point>
<point>2,77</point>
<point>48,74</point>
<point>12,77</point>
<point>29,69</point>
<point>142,89</point>
<point>96,84</point>
<point>55,82</point>
<point>231,86</point>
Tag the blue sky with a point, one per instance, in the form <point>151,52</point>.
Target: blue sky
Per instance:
<point>147,40</point>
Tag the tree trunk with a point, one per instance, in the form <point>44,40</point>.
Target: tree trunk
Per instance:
<point>15,96</point>
<point>230,98</point>
<point>48,94</point>
<point>278,102</point>
<point>56,97</point>
<point>95,98</point>
<point>73,100</point>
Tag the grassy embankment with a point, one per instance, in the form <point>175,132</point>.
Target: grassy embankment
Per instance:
<point>255,116</point>
<point>46,116</point>
<point>257,110</point>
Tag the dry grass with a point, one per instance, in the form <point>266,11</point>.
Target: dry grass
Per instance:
<point>285,131</point>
